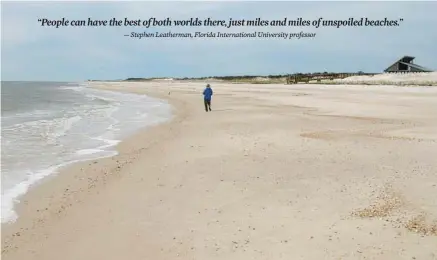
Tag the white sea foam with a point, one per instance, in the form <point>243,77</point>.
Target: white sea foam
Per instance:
<point>88,151</point>
<point>75,88</point>
<point>35,144</point>
<point>11,196</point>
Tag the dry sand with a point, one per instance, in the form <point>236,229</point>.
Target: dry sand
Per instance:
<point>273,172</point>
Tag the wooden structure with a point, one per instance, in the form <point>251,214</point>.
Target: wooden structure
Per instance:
<point>405,64</point>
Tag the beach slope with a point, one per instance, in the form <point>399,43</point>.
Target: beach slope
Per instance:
<point>273,172</point>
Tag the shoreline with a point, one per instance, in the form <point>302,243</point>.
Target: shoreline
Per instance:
<point>54,184</point>
<point>282,170</point>
<point>107,150</point>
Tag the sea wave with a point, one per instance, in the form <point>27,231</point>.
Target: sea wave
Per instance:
<point>47,140</point>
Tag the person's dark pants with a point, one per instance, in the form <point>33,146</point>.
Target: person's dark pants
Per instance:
<point>207,104</point>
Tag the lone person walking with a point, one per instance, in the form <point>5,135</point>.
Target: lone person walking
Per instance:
<point>207,95</point>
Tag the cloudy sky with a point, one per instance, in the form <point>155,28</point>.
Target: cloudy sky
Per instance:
<point>32,52</point>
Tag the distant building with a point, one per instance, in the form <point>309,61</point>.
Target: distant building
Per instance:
<point>405,64</point>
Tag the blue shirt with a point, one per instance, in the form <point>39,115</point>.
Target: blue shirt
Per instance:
<point>207,93</point>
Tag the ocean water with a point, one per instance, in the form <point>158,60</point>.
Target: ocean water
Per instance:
<point>47,125</point>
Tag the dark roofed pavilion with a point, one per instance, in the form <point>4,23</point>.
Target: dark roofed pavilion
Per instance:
<point>405,64</point>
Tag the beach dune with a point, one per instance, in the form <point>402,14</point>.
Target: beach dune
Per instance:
<point>273,172</point>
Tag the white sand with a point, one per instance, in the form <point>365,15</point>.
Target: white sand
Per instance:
<point>274,172</point>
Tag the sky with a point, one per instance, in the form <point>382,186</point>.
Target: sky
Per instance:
<point>30,51</point>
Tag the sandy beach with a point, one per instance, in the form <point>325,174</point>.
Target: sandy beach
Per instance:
<point>273,172</point>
